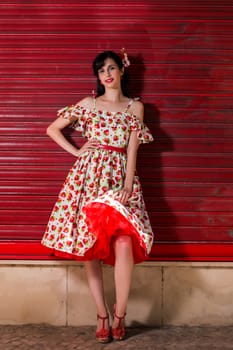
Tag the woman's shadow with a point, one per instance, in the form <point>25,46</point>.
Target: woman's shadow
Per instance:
<point>150,168</point>
<point>150,163</point>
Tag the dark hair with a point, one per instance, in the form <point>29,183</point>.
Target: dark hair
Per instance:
<point>99,62</point>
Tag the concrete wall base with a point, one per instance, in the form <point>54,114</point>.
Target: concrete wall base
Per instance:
<point>162,293</point>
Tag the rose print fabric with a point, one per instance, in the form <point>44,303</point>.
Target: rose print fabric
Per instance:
<point>87,215</point>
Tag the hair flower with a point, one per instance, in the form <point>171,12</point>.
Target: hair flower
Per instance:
<point>125,59</point>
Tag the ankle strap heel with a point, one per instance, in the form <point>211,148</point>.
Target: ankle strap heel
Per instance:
<point>118,332</point>
<point>103,335</point>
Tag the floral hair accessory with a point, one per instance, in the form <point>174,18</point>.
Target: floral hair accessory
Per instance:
<point>125,60</point>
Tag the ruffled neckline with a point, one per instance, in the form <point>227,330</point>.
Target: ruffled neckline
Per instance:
<point>103,111</point>
<point>108,113</point>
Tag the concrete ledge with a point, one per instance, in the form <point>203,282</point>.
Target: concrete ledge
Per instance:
<point>145,263</point>
<point>162,293</point>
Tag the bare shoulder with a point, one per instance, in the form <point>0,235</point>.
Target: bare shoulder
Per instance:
<point>86,102</point>
<point>137,108</point>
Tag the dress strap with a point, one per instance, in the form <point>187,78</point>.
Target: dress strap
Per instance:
<point>94,104</point>
<point>128,105</point>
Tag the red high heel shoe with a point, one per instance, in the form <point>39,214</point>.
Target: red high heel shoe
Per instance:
<point>118,333</point>
<point>103,335</point>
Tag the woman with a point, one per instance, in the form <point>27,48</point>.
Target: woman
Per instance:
<point>100,215</point>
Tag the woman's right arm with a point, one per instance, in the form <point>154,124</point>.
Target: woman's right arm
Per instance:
<point>54,130</point>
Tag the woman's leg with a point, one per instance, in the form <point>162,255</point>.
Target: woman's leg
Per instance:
<point>124,263</point>
<point>95,281</point>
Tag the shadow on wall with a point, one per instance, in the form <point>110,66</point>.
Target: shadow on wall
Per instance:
<point>150,162</point>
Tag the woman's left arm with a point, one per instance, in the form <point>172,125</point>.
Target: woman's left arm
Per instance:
<point>132,149</point>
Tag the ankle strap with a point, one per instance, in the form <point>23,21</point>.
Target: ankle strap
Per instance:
<point>118,317</point>
<point>102,318</point>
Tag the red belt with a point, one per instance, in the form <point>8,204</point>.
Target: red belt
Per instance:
<point>113,148</point>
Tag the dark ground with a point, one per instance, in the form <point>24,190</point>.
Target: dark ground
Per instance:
<point>45,337</point>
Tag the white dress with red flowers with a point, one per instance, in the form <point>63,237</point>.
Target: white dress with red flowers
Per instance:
<point>87,215</point>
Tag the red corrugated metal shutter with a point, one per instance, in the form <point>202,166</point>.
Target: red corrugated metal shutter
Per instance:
<point>181,53</point>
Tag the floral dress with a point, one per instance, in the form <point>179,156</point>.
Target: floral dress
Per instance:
<point>87,216</point>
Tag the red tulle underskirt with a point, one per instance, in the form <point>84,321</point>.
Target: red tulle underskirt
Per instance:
<point>106,223</point>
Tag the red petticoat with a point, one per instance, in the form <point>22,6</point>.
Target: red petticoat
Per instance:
<point>106,223</point>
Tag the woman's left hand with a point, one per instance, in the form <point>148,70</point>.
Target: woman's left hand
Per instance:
<point>124,195</point>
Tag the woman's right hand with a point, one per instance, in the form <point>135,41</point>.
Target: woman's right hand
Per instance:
<point>90,145</point>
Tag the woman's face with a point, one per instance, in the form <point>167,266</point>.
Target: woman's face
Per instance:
<point>110,74</point>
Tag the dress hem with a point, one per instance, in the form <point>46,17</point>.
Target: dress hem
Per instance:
<point>70,256</point>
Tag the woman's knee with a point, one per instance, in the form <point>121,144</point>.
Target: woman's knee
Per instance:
<point>123,242</point>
